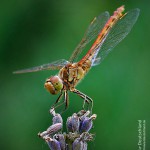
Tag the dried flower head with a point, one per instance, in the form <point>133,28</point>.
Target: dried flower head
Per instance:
<point>78,126</point>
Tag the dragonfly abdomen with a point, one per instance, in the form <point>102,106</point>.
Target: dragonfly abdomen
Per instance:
<point>94,50</point>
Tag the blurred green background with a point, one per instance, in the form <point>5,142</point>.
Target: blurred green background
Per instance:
<point>37,32</point>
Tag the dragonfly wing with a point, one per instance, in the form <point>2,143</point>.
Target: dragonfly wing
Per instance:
<point>50,66</point>
<point>117,33</point>
<point>92,31</point>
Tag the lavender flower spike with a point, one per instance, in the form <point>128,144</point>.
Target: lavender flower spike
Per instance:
<point>78,127</point>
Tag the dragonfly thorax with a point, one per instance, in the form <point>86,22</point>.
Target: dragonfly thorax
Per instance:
<point>54,84</point>
<point>72,74</point>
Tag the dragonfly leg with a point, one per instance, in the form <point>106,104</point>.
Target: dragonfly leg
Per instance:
<point>66,99</point>
<point>86,98</point>
<point>85,101</point>
<point>57,101</point>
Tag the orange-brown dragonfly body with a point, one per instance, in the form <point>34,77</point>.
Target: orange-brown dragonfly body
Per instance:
<point>109,31</point>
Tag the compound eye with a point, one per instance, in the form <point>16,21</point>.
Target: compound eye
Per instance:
<point>54,84</point>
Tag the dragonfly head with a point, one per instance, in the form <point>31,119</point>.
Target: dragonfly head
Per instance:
<point>54,84</point>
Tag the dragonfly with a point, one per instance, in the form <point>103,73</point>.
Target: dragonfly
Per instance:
<point>107,31</point>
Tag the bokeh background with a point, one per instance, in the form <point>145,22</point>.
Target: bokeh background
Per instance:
<point>37,32</point>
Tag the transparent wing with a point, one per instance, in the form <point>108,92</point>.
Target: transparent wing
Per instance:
<point>92,31</point>
<point>118,32</point>
<point>50,66</point>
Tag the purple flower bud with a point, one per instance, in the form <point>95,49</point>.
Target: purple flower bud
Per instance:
<point>54,128</point>
<point>84,116</point>
<point>51,130</point>
<point>57,119</point>
<point>86,124</point>
<point>78,144</point>
<point>61,139</point>
<point>42,134</point>
<point>53,144</point>
<point>83,113</point>
<point>73,123</point>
